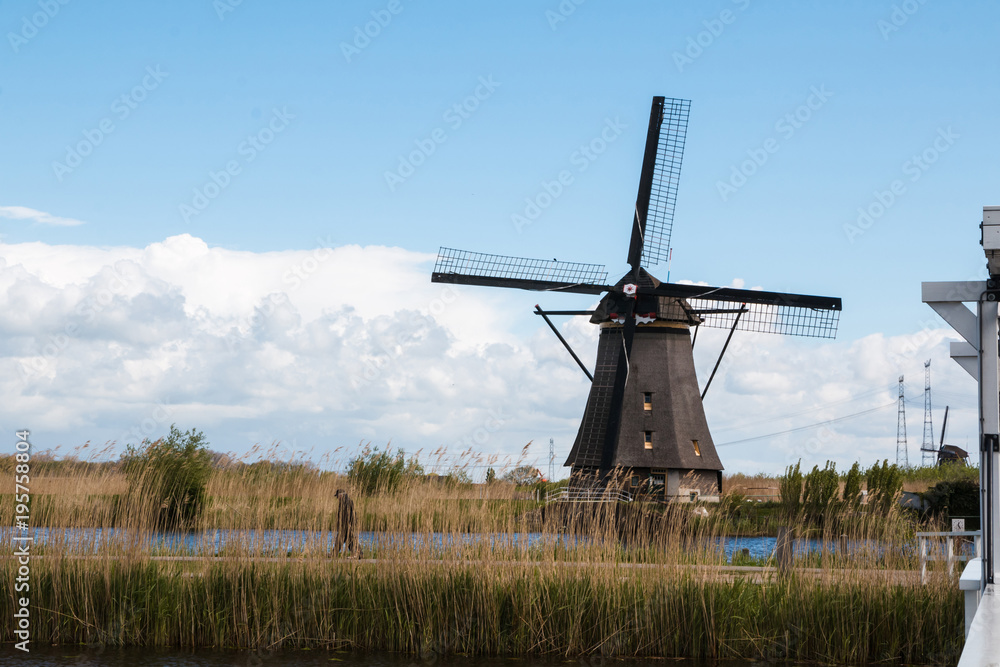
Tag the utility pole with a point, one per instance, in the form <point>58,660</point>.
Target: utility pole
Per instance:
<point>552,460</point>
<point>902,457</point>
<point>927,450</point>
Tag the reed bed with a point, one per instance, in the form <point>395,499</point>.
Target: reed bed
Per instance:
<point>494,609</point>
<point>449,576</point>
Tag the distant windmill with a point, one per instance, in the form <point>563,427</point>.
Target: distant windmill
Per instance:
<point>950,453</point>
<point>644,416</point>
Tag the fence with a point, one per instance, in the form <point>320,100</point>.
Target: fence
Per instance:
<point>589,496</point>
<point>941,547</point>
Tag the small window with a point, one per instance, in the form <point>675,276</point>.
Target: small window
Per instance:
<point>657,480</point>
<point>648,439</point>
<point>635,481</point>
<point>647,401</point>
<point>697,449</point>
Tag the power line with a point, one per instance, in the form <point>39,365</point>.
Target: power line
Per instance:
<point>813,409</point>
<point>803,428</point>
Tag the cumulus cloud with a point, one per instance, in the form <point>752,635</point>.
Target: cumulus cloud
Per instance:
<point>326,347</point>
<point>39,217</point>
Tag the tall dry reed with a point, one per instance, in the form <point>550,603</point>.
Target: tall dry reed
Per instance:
<point>454,574</point>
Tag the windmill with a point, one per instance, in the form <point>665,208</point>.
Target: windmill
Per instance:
<point>644,417</point>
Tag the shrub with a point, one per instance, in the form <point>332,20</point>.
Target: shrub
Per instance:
<point>734,504</point>
<point>821,491</point>
<point>852,486</point>
<point>457,476</point>
<point>377,471</point>
<point>172,474</point>
<point>959,498</point>
<point>790,488</point>
<point>884,485</point>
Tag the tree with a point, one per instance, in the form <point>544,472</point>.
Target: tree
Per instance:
<point>491,475</point>
<point>522,476</point>
<point>172,473</point>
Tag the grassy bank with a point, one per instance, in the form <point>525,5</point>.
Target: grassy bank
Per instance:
<point>632,580</point>
<point>496,609</point>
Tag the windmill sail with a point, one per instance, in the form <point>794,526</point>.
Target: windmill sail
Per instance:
<point>658,181</point>
<point>477,268</point>
<point>763,312</point>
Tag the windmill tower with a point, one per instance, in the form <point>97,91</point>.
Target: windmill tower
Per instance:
<point>902,457</point>
<point>644,418</point>
<point>927,450</point>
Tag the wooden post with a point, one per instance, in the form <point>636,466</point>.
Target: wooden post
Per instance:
<point>922,548</point>
<point>784,551</point>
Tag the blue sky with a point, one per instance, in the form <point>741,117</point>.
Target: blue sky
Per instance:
<point>286,123</point>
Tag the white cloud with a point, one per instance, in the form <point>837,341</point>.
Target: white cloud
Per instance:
<point>40,217</point>
<point>326,347</point>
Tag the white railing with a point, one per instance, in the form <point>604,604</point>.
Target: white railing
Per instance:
<point>941,547</point>
<point>589,496</point>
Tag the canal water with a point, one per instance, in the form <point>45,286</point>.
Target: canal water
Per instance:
<point>279,542</point>
<point>107,657</point>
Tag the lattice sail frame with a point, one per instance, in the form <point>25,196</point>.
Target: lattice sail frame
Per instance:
<point>768,318</point>
<point>666,179</point>
<point>504,267</point>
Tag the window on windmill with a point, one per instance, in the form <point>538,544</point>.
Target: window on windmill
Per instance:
<point>697,449</point>
<point>648,439</point>
<point>647,401</point>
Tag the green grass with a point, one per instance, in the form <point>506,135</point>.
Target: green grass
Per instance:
<point>497,610</point>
